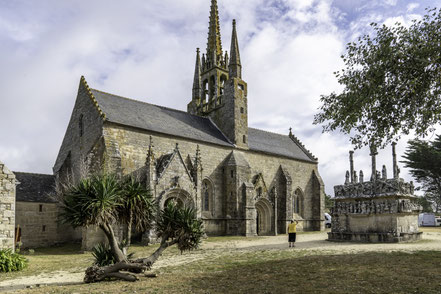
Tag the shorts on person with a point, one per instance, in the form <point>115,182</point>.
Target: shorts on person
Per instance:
<point>291,237</point>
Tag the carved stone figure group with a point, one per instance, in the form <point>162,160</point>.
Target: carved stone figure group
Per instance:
<point>376,188</point>
<point>372,207</point>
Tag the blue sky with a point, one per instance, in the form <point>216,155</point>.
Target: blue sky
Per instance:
<point>146,49</point>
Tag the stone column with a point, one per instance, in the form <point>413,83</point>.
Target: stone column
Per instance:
<point>374,163</point>
<point>395,165</point>
<point>7,208</point>
<point>351,165</point>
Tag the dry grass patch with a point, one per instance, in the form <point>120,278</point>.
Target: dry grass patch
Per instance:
<point>285,271</point>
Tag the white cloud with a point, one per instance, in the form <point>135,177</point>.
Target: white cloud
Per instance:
<point>391,2</point>
<point>146,49</point>
<point>412,6</point>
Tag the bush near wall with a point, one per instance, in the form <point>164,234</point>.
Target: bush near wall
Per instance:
<point>10,261</point>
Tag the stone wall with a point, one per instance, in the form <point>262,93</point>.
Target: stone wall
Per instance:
<point>37,223</point>
<point>7,207</point>
<point>132,152</point>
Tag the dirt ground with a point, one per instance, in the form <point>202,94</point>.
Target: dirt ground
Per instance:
<point>312,243</point>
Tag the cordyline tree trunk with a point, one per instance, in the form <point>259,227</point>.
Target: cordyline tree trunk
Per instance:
<point>129,230</point>
<point>96,273</point>
<point>110,234</point>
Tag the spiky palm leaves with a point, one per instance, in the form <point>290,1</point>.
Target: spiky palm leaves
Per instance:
<point>137,207</point>
<point>93,201</point>
<point>181,225</point>
<point>103,200</point>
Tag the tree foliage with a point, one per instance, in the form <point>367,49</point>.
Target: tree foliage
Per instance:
<point>137,207</point>
<point>425,203</point>
<point>105,201</point>
<point>181,225</point>
<point>329,202</point>
<point>93,201</point>
<point>423,159</point>
<point>391,84</point>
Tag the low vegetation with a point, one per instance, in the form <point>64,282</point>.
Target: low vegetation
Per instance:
<point>11,261</point>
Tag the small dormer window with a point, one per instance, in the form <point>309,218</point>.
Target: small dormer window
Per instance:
<point>81,125</point>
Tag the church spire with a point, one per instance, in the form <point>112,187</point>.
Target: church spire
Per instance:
<point>197,77</point>
<point>214,45</point>
<point>235,66</point>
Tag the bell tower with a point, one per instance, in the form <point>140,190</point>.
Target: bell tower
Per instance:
<point>218,89</point>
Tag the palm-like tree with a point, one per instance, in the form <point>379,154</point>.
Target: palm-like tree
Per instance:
<point>176,225</point>
<point>137,207</point>
<point>103,201</point>
<point>95,201</point>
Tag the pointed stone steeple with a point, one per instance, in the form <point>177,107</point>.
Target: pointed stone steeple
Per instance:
<point>235,65</point>
<point>214,45</point>
<point>197,78</point>
<point>195,102</point>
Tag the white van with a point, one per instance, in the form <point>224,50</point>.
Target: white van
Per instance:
<point>426,220</point>
<point>438,221</point>
<point>327,220</point>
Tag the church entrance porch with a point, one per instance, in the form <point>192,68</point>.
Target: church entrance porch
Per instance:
<point>263,218</point>
<point>177,196</point>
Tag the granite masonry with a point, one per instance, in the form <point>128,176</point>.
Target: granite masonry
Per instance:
<point>241,180</point>
<point>7,208</point>
<point>379,210</point>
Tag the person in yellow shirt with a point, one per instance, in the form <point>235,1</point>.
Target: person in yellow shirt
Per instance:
<point>292,229</point>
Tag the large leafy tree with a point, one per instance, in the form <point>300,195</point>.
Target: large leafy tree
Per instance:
<point>391,84</point>
<point>104,201</point>
<point>423,159</point>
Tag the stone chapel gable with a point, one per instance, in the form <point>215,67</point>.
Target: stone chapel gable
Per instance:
<point>82,135</point>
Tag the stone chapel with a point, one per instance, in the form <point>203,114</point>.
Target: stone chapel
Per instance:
<point>241,180</point>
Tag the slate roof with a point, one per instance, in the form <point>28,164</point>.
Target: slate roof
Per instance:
<point>273,143</point>
<point>169,121</point>
<point>35,187</point>
<point>236,159</point>
<point>158,119</point>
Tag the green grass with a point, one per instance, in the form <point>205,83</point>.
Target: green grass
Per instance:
<point>258,271</point>
<point>280,271</point>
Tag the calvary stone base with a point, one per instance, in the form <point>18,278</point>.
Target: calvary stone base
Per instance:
<point>379,210</point>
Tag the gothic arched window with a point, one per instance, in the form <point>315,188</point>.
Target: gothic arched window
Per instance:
<point>205,94</point>
<point>222,84</point>
<point>207,195</point>
<point>297,202</point>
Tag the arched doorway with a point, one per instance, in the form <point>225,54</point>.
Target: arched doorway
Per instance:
<point>263,217</point>
<point>178,196</point>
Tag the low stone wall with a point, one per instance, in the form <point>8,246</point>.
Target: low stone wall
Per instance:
<point>7,207</point>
